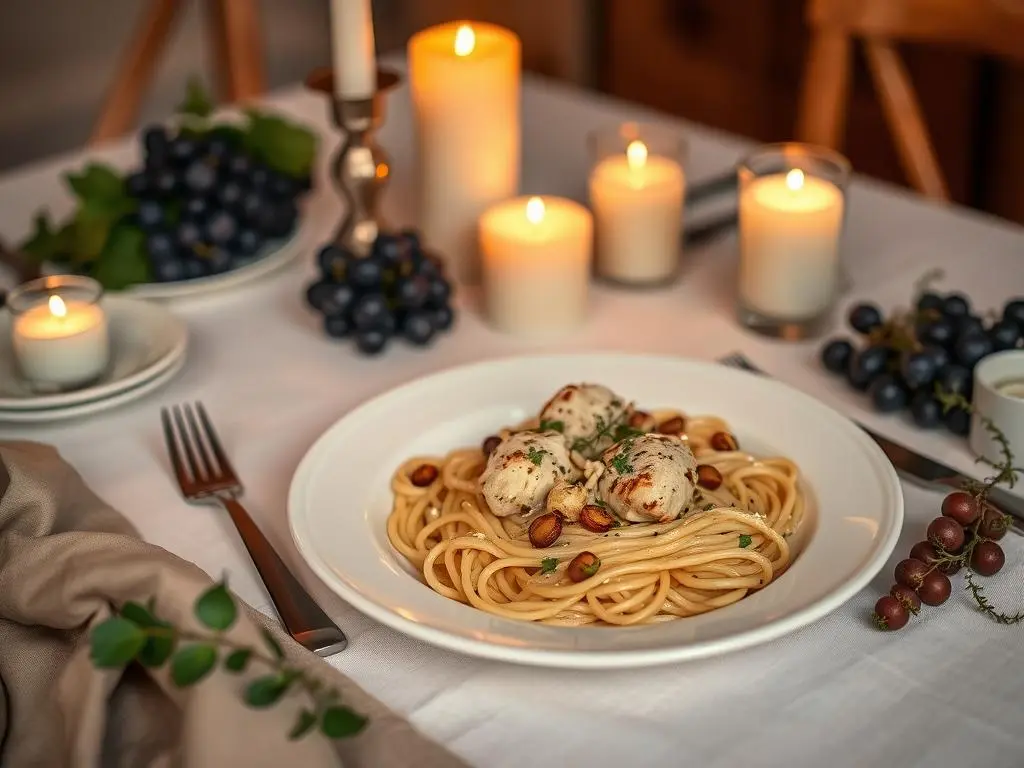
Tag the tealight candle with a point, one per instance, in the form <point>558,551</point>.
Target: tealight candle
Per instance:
<point>637,188</point>
<point>791,221</point>
<point>464,80</point>
<point>536,263</point>
<point>59,332</point>
<point>998,399</point>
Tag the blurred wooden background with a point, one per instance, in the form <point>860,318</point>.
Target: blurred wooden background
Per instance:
<point>732,64</point>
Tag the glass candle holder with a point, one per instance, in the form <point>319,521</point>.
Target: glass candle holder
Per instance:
<point>637,187</point>
<point>59,332</point>
<point>792,205</point>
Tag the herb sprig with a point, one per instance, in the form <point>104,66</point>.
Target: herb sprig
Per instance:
<point>135,634</point>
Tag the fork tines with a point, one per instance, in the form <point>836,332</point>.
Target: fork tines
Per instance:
<point>196,454</point>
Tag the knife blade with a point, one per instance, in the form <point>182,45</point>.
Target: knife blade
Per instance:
<point>933,474</point>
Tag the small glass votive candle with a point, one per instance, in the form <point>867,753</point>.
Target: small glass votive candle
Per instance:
<point>792,205</point>
<point>637,189</point>
<point>998,399</point>
<point>59,332</point>
<point>535,258</point>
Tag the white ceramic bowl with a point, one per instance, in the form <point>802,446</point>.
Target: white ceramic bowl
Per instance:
<point>340,499</point>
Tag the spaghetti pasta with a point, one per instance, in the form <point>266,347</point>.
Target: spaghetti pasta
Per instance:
<point>731,542</point>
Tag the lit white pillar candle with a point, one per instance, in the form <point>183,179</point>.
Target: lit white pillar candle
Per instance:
<point>637,198</point>
<point>352,46</point>
<point>535,253</point>
<point>61,344</point>
<point>464,80</point>
<point>790,225</point>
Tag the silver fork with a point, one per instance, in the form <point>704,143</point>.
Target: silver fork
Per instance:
<point>206,477</point>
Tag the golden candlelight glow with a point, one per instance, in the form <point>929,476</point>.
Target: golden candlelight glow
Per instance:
<point>382,170</point>
<point>535,210</point>
<point>465,40</point>
<point>795,179</point>
<point>57,307</point>
<point>636,155</point>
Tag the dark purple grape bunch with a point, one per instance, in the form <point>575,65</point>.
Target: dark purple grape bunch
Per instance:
<point>964,536</point>
<point>399,290</point>
<point>206,205</point>
<point>903,362</point>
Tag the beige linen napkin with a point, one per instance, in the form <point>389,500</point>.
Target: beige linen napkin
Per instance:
<point>65,559</point>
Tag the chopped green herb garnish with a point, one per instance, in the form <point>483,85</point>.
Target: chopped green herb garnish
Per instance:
<point>557,426</point>
<point>536,456</point>
<point>624,432</point>
<point>548,564</point>
<point>745,541</point>
<point>621,460</point>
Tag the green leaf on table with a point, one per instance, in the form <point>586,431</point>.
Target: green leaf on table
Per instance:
<point>197,101</point>
<point>161,637</point>
<point>122,261</point>
<point>305,722</point>
<point>238,660</point>
<point>192,663</point>
<point>215,608</point>
<point>284,146</point>
<point>272,644</point>
<point>87,233</point>
<point>266,690</point>
<point>232,134</point>
<point>97,183</point>
<point>115,642</point>
<point>339,722</point>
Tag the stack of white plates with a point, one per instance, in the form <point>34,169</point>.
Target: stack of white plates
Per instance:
<point>147,346</point>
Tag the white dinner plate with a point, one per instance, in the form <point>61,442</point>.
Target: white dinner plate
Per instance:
<point>340,499</point>
<point>145,340</point>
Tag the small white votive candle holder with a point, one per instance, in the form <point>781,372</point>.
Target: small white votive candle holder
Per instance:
<point>59,331</point>
<point>792,206</point>
<point>999,398</point>
<point>637,189</point>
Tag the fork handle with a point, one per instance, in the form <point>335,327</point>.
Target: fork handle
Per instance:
<point>305,621</point>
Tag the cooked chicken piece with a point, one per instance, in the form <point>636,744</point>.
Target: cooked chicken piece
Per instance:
<point>588,415</point>
<point>651,477</point>
<point>523,469</point>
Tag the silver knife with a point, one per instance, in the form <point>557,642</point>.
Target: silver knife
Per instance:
<point>914,467</point>
<point>932,474</point>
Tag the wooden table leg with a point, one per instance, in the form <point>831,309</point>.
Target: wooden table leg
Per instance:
<point>234,35</point>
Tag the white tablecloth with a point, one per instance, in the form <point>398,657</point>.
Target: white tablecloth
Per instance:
<point>948,690</point>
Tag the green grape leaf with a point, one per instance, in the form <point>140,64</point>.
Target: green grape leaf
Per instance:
<point>266,690</point>
<point>197,101</point>
<point>341,722</point>
<point>44,244</point>
<point>238,660</point>
<point>284,146</point>
<point>122,261</point>
<point>216,609</point>
<point>192,663</point>
<point>305,722</point>
<point>272,644</point>
<point>158,647</point>
<point>115,642</point>
<point>97,183</point>
<point>138,614</point>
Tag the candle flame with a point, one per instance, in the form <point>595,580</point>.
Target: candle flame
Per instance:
<point>57,306</point>
<point>795,179</point>
<point>465,40</point>
<point>636,155</point>
<point>535,210</point>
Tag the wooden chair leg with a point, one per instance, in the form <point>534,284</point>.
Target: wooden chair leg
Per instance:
<point>903,113</point>
<point>135,71</point>
<point>236,42</point>
<point>826,88</point>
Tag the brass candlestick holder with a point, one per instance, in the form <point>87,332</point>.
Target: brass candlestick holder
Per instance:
<point>360,168</point>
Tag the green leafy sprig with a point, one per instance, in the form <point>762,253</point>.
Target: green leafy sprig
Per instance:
<point>136,635</point>
<point>100,239</point>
